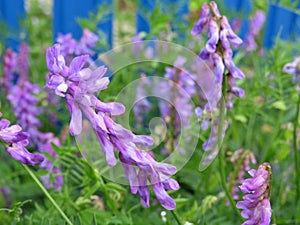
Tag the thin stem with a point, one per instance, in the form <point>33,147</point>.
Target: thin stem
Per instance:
<point>176,217</point>
<point>47,194</point>
<point>221,152</point>
<point>296,151</point>
<point>172,116</point>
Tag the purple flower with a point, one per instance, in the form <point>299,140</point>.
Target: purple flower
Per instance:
<point>203,20</point>
<point>255,204</point>
<point>24,103</point>
<point>217,53</point>
<point>227,34</point>
<point>293,69</point>
<point>81,85</point>
<point>22,96</point>
<point>256,24</point>
<point>240,159</point>
<point>23,62</point>
<point>71,48</point>
<point>87,43</point>
<point>9,66</point>
<point>220,34</point>
<point>11,134</point>
<point>213,35</point>
<point>16,141</point>
<point>68,44</point>
<point>55,60</point>
<point>198,112</point>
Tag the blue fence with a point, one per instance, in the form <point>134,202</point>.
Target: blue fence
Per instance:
<point>66,13</point>
<point>281,22</point>
<point>11,12</point>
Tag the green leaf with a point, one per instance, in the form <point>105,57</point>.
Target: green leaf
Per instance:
<point>115,186</point>
<point>94,220</point>
<point>181,202</point>
<point>279,105</point>
<point>240,118</point>
<point>207,203</point>
<point>77,220</point>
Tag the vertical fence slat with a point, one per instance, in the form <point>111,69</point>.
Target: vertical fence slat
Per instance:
<point>146,8</point>
<point>297,25</point>
<point>280,22</point>
<point>67,12</point>
<point>12,13</point>
<point>269,26</point>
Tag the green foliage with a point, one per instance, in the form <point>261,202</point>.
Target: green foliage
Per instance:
<point>261,122</point>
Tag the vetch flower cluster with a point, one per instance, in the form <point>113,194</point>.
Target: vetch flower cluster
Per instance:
<point>241,158</point>
<point>16,142</point>
<point>70,47</point>
<point>78,86</point>
<point>256,23</point>
<point>22,96</point>
<point>9,65</point>
<point>217,53</point>
<point>256,204</point>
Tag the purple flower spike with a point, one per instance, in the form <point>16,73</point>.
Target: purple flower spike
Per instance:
<point>21,94</point>
<point>241,160</point>
<point>219,59</point>
<point>23,61</point>
<point>9,66</point>
<point>256,24</point>
<point>255,204</point>
<point>139,166</point>
<point>203,20</point>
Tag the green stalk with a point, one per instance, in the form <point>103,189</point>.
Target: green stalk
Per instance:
<point>221,152</point>
<point>296,160</point>
<point>47,194</point>
<point>176,217</point>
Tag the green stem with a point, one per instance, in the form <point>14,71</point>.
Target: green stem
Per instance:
<point>296,151</point>
<point>47,194</point>
<point>221,152</point>
<point>176,217</point>
<point>172,116</point>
